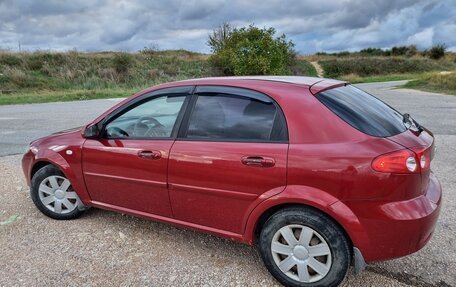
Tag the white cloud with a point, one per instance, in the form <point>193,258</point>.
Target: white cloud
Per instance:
<point>422,39</point>
<point>314,25</point>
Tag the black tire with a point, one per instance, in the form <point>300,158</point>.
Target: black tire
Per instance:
<point>335,238</point>
<point>37,179</point>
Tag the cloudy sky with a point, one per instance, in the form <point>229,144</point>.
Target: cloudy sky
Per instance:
<point>314,25</point>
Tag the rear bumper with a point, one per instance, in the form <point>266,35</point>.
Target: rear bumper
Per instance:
<point>396,229</point>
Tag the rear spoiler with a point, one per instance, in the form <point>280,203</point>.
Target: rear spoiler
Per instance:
<point>326,85</point>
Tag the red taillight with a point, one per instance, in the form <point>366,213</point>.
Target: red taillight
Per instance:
<point>412,160</point>
<point>402,161</point>
<point>425,156</point>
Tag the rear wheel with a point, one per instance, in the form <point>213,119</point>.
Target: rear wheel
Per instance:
<point>303,247</point>
<point>53,194</point>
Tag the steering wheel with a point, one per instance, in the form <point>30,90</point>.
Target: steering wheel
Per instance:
<point>142,128</point>
<point>115,131</point>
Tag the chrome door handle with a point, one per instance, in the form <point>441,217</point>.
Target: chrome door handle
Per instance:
<point>258,161</point>
<point>149,154</point>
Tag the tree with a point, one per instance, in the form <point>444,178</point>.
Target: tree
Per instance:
<point>250,51</point>
<point>218,37</point>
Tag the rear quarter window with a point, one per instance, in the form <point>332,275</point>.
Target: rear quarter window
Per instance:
<point>362,111</point>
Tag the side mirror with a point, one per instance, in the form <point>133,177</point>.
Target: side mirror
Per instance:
<point>91,132</point>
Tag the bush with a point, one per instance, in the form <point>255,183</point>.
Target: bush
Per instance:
<point>342,54</point>
<point>437,51</point>
<point>219,36</point>
<point>10,60</point>
<point>303,68</point>
<point>368,66</point>
<point>250,51</point>
<point>372,52</point>
<point>399,51</point>
<point>38,59</point>
<point>122,63</point>
<point>411,51</point>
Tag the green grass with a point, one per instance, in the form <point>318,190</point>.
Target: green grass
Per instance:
<point>373,66</point>
<point>435,82</point>
<point>304,68</point>
<point>47,77</point>
<point>28,97</point>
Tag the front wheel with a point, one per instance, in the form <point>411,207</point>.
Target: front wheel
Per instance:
<point>303,247</point>
<point>54,195</point>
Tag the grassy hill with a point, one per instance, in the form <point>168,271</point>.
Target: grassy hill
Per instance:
<point>44,76</point>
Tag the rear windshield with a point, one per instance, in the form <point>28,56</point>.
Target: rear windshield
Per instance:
<point>363,111</point>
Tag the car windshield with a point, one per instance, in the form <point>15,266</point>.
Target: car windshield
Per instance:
<point>363,111</point>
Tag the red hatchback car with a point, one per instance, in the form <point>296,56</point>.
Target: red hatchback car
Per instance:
<point>315,172</point>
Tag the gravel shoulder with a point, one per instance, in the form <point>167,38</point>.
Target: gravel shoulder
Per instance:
<point>109,249</point>
<point>105,248</point>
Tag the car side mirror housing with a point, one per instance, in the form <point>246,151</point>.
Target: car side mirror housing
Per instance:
<point>91,132</point>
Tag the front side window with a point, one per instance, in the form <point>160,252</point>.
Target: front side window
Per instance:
<point>228,117</point>
<point>154,118</point>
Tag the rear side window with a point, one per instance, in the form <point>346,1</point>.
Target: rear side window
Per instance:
<point>231,118</point>
<point>363,111</point>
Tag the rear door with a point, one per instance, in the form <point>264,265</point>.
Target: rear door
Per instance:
<point>232,148</point>
<point>127,166</point>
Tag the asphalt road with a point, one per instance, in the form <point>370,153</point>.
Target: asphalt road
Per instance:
<point>20,124</point>
<point>105,248</point>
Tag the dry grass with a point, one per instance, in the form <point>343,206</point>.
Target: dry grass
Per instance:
<point>442,82</point>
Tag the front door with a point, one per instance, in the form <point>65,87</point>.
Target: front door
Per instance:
<point>231,149</point>
<point>127,166</point>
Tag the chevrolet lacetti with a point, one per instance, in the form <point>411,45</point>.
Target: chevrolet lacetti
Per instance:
<point>315,172</point>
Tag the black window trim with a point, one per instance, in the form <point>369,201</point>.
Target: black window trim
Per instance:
<point>235,92</point>
<point>186,91</point>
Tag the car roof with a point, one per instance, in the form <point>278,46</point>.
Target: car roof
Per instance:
<point>313,83</point>
<point>299,80</point>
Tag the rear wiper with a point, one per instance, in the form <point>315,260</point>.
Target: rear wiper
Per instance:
<point>409,120</point>
<point>406,120</point>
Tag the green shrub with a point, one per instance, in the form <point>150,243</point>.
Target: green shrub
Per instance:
<point>342,54</point>
<point>149,50</point>
<point>408,51</point>
<point>372,52</point>
<point>367,66</point>
<point>10,60</point>
<point>399,51</point>
<point>37,60</point>
<point>123,62</point>
<point>437,51</point>
<point>303,68</point>
<point>252,51</point>
<point>411,51</point>
<point>217,39</point>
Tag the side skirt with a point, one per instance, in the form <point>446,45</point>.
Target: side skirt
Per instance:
<point>179,223</point>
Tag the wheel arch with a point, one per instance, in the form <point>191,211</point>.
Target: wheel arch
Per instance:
<point>308,197</point>
<point>49,157</point>
<point>272,210</point>
<point>39,165</point>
